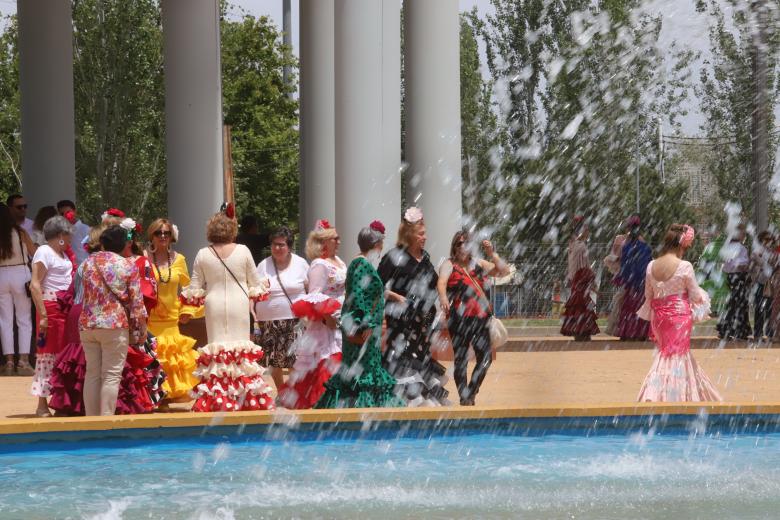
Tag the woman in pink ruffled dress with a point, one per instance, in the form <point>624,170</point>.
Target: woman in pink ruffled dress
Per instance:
<point>673,300</point>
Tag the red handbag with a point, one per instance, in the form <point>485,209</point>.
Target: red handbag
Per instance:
<point>148,283</point>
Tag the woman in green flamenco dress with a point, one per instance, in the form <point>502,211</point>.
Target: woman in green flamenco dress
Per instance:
<point>361,382</point>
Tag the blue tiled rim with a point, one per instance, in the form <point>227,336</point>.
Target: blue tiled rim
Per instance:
<point>667,424</point>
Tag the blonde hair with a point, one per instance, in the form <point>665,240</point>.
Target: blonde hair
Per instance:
<point>93,241</point>
<point>221,229</point>
<point>315,241</point>
<point>157,224</point>
<point>406,232</point>
<point>111,220</point>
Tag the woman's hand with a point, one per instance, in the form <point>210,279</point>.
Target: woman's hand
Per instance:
<point>487,247</point>
<point>393,296</point>
<point>331,322</point>
<point>445,306</point>
<point>184,318</point>
<point>43,323</point>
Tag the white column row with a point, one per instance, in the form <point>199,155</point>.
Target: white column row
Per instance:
<point>193,117</point>
<point>350,112</point>
<point>46,98</point>
<point>366,120</point>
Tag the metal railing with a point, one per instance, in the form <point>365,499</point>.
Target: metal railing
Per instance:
<point>530,293</point>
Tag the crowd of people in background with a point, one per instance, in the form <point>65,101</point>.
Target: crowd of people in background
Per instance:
<point>103,307</point>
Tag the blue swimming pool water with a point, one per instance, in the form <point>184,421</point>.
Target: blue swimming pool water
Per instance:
<point>482,474</point>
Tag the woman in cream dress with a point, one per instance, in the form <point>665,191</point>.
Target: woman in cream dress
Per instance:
<point>224,278</point>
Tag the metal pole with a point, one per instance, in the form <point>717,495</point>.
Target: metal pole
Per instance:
<point>287,37</point>
<point>661,150</point>
<point>637,188</point>
<point>760,137</point>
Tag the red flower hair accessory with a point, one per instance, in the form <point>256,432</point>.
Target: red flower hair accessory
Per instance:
<point>113,212</point>
<point>377,226</point>
<point>230,210</point>
<point>322,224</point>
<point>70,216</point>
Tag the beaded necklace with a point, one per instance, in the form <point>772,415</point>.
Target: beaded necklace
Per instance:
<point>159,273</point>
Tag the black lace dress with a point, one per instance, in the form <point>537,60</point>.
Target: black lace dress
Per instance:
<point>407,355</point>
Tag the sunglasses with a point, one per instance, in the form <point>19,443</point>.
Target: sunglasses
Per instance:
<point>161,233</point>
<point>460,243</point>
<point>21,206</point>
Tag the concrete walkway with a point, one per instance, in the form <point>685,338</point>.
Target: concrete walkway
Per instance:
<point>537,375</point>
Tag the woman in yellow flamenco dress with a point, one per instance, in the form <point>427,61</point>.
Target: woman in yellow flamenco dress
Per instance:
<point>175,351</point>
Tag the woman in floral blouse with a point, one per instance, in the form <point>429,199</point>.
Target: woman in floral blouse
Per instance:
<point>113,310</point>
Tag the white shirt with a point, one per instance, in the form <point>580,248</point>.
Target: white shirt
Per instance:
<point>294,278</point>
<point>735,256</point>
<point>80,233</point>
<point>58,269</point>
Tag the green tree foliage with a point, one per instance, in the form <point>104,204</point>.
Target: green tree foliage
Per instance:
<point>726,94</point>
<point>480,137</point>
<point>119,104</point>
<point>584,85</point>
<point>119,112</point>
<point>263,115</point>
<point>10,143</point>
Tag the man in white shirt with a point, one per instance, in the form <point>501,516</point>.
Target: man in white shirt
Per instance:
<point>18,207</point>
<point>735,323</point>
<point>80,230</point>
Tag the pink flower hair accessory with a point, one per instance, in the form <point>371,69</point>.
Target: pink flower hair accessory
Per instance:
<point>377,226</point>
<point>322,224</point>
<point>687,237</point>
<point>413,215</point>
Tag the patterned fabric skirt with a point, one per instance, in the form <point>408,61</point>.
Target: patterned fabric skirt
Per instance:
<point>53,343</point>
<point>677,378</point>
<point>579,319</point>
<point>277,338</point>
<point>361,382</point>
<point>631,326</point>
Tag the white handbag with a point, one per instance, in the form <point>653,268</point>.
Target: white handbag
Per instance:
<point>498,333</point>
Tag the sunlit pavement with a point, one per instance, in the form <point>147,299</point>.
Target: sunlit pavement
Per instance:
<point>558,379</point>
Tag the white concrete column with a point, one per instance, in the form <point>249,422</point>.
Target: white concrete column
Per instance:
<point>368,115</point>
<point>317,124</point>
<point>432,81</point>
<point>46,90</point>
<point>193,117</point>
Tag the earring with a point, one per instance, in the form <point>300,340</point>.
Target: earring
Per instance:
<point>61,242</point>
<point>153,248</point>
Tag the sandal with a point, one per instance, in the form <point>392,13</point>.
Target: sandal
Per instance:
<point>43,412</point>
<point>24,369</point>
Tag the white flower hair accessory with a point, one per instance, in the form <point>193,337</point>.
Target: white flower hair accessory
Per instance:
<point>127,224</point>
<point>413,215</point>
<point>175,232</point>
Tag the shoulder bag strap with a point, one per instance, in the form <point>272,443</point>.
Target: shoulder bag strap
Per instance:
<point>25,260</point>
<point>229,271</point>
<point>279,279</point>
<point>477,286</point>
